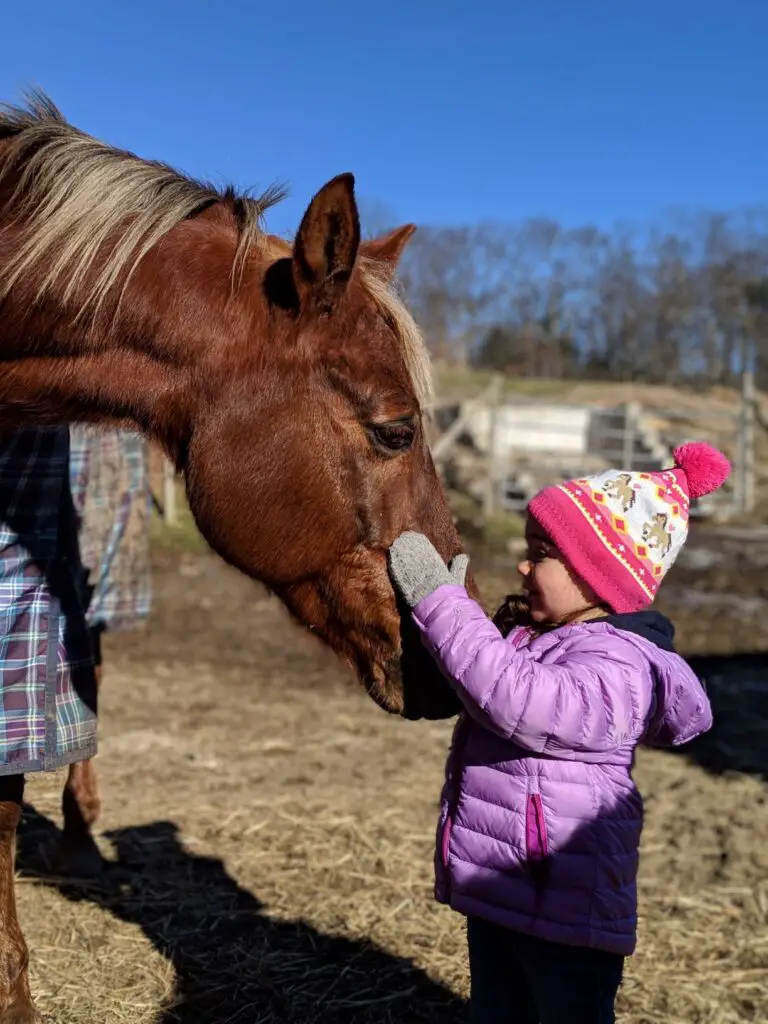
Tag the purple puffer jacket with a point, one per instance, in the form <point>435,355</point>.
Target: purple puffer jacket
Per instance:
<point>540,823</point>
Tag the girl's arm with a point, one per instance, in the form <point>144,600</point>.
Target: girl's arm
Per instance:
<point>591,695</point>
<point>594,691</point>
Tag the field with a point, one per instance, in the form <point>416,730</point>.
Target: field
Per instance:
<point>269,831</point>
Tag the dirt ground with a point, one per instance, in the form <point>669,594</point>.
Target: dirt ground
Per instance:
<point>269,831</point>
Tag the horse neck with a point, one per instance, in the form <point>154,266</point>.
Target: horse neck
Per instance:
<point>128,368</point>
<point>111,387</point>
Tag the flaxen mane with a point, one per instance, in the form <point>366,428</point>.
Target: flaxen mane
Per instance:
<point>411,339</point>
<point>74,191</point>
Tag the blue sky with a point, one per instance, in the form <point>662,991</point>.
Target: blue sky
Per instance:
<point>447,113</point>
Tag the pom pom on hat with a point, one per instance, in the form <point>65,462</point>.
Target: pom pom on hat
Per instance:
<point>705,467</point>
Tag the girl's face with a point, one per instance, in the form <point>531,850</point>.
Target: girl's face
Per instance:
<point>554,592</point>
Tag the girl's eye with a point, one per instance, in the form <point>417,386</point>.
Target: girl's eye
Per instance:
<point>394,438</point>
<point>542,554</point>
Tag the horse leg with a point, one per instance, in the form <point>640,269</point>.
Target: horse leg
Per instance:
<point>16,1006</point>
<point>78,855</point>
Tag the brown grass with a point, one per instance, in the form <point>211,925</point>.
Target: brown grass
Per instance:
<point>270,838</point>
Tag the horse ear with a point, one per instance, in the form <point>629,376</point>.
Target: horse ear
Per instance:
<point>387,250</point>
<point>327,244</point>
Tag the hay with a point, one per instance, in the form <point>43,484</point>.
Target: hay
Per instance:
<point>271,838</point>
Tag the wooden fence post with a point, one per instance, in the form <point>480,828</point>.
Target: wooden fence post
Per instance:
<point>494,477</point>
<point>747,445</point>
<point>631,416</point>
<point>169,493</point>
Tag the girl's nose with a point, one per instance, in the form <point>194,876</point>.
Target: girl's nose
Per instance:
<point>524,568</point>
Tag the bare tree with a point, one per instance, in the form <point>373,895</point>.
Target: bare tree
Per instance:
<point>667,303</point>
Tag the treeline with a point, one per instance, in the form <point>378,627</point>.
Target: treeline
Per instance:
<point>683,300</point>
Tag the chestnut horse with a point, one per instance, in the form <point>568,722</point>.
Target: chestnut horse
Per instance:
<point>286,382</point>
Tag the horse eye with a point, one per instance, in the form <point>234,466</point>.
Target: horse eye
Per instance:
<point>394,437</point>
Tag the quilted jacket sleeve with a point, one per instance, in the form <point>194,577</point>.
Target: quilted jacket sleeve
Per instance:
<point>590,694</point>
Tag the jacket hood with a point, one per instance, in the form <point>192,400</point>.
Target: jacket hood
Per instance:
<point>680,709</point>
<point>652,625</point>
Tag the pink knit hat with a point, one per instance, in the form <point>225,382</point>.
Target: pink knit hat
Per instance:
<point>620,532</point>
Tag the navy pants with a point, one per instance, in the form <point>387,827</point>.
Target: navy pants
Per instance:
<point>518,979</point>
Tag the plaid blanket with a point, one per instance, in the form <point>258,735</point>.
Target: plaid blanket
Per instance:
<point>109,480</point>
<point>47,684</point>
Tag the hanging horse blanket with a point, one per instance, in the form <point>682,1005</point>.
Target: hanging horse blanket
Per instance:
<point>47,682</point>
<point>109,480</point>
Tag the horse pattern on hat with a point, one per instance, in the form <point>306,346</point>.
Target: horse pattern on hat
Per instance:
<point>640,518</point>
<point>621,488</point>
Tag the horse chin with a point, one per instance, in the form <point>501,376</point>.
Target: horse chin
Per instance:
<point>384,685</point>
<point>417,695</point>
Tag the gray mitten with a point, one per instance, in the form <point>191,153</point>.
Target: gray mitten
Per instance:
<point>417,570</point>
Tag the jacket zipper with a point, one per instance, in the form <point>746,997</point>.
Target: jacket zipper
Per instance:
<point>536,840</point>
<point>537,843</point>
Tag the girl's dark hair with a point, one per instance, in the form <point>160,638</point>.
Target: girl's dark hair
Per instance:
<point>516,611</point>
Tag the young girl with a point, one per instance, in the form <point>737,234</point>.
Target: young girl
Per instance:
<point>539,831</point>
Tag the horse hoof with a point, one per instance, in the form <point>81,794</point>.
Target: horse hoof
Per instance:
<point>82,860</point>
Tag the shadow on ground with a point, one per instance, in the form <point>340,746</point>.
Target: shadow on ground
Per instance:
<point>233,964</point>
<point>737,685</point>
